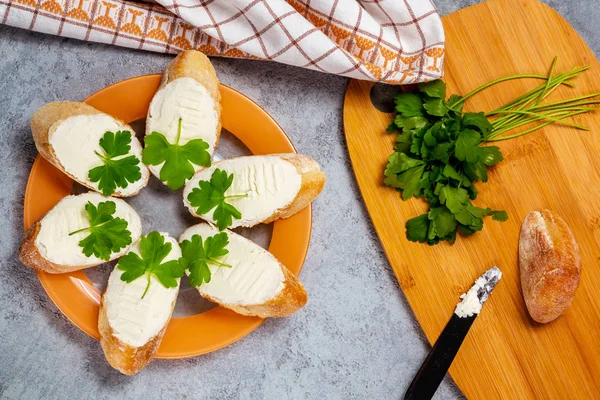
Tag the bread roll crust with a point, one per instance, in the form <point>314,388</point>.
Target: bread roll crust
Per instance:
<point>550,265</point>
<point>47,119</point>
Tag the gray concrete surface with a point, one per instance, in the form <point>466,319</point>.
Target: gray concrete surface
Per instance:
<point>356,338</point>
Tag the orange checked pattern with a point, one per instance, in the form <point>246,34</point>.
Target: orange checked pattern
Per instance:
<point>397,42</point>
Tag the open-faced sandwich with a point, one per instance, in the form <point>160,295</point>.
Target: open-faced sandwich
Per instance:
<point>238,274</point>
<point>80,232</point>
<point>91,147</point>
<point>139,299</point>
<point>184,120</point>
<point>247,191</point>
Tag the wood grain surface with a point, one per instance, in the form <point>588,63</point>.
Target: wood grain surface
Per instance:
<point>506,355</point>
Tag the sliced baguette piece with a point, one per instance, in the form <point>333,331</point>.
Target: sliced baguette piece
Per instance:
<point>256,284</point>
<point>48,247</point>
<point>550,265</point>
<point>189,90</point>
<point>131,327</point>
<point>68,133</point>
<point>276,186</point>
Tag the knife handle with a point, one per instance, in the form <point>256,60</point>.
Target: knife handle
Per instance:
<point>437,363</point>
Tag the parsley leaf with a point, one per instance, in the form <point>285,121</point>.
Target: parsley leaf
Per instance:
<point>436,89</point>
<point>410,123</point>
<point>467,146</point>
<point>479,121</point>
<point>409,104</point>
<point>435,107</point>
<point>455,199</point>
<point>443,222</point>
<point>455,103</point>
<point>177,159</point>
<point>115,172</point>
<point>491,155</point>
<point>196,256</point>
<point>153,250</point>
<point>404,173</point>
<point>499,215</point>
<point>211,194</point>
<point>107,234</point>
<point>417,228</point>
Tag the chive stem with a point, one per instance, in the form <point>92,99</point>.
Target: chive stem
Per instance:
<point>548,81</point>
<point>547,117</point>
<point>494,82</point>
<point>494,136</point>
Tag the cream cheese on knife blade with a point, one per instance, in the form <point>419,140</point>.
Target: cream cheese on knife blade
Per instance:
<point>473,299</point>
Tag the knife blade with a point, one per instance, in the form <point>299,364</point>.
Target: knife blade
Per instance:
<point>437,363</point>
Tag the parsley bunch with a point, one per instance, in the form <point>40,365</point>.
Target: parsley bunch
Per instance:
<point>197,255</point>
<point>153,250</point>
<point>440,152</point>
<point>438,157</point>
<point>116,169</point>
<point>211,194</point>
<point>177,159</point>
<point>107,233</point>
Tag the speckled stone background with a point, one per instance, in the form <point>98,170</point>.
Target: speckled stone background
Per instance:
<point>356,338</point>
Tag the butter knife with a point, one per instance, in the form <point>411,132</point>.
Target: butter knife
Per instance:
<point>436,365</point>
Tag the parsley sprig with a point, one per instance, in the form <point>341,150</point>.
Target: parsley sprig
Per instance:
<point>177,159</point>
<point>107,233</point>
<point>197,255</point>
<point>441,151</point>
<point>153,250</point>
<point>115,172</point>
<point>211,194</point>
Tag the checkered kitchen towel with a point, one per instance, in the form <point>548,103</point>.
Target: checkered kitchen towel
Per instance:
<point>394,41</point>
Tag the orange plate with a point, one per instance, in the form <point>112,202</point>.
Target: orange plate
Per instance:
<point>79,300</point>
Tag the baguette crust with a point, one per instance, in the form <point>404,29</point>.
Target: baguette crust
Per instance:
<point>30,255</point>
<point>550,265</point>
<point>289,300</point>
<point>122,356</point>
<point>194,64</point>
<point>313,181</point>
<point>46,120</point>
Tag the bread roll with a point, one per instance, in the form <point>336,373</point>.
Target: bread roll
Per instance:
<point>550,264</point>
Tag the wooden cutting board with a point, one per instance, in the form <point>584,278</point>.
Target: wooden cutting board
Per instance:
<point>506,355</point>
